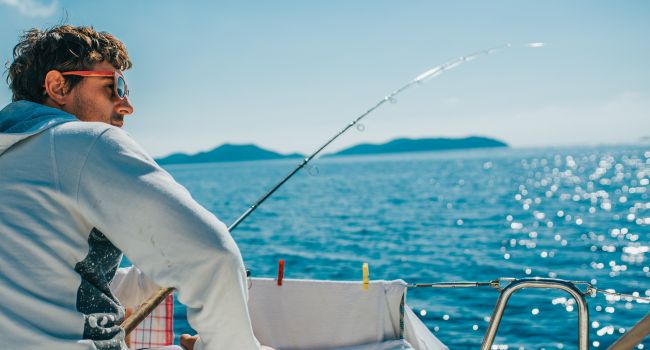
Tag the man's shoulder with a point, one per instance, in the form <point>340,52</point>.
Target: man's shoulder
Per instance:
<point>88,131</point>
<point>81,137</point>
<point>82,129</point>
<point>98,137</point>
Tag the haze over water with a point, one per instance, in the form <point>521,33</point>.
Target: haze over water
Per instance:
<point>573,213</point>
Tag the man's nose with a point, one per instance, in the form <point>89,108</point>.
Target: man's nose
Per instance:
<point>124,107</point>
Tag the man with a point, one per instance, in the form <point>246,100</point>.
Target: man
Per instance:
<point>76,191</point>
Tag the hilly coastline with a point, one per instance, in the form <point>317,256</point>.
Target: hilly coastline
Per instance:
<point>226,153</point>
<point>250,152</point>
<point>421,145</point>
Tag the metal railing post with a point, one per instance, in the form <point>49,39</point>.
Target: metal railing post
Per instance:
<point>541,283</point>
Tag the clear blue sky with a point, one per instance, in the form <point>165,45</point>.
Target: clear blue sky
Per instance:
<point>286,75</point>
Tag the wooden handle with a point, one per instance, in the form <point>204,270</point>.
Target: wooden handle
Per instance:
<point>145,309</point>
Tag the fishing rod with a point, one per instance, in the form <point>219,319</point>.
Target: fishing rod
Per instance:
<point>390,97</point>
<point>156,298</point>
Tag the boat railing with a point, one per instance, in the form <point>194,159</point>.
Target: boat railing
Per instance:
<point>508,286</point>
<point>539,283</point>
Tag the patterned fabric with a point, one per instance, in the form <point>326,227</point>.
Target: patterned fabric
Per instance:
<point>157,329</point>
<point>102,312</point>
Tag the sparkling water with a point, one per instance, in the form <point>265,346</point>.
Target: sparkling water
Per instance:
<point>579,214</point>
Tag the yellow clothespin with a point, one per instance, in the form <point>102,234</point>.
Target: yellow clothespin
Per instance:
<point>366,276</point>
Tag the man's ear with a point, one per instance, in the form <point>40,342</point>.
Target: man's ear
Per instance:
<point>56,88</point>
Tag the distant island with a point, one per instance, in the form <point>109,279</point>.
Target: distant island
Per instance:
<point>226,153</point>
<point>421,145</point>
<point>249,152</point>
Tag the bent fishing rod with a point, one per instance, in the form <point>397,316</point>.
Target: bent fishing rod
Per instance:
<point>156,298</point>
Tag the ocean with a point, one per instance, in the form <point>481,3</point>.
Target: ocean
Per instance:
<point>580,213</point>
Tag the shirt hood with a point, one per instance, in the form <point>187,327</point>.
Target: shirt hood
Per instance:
<point>23,119</point>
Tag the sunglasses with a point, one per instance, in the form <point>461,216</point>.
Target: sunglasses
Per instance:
<point>119,84</point>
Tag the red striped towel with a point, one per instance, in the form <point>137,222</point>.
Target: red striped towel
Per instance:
<point>157,329</point>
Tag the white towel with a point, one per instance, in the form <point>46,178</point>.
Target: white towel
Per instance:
<point>308,314</point>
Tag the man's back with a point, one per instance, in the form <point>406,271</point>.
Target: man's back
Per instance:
<point>76,194</point>
<point>47,273</point>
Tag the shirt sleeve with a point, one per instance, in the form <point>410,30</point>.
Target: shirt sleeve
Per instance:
<point>169,236</point>
<point>132,287</point>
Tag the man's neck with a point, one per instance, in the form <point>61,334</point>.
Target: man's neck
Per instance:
<point>48,102</point>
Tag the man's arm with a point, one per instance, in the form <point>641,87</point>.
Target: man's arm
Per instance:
<point>169,236</point>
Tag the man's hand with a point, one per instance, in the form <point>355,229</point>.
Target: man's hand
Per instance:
<point>187,342</point>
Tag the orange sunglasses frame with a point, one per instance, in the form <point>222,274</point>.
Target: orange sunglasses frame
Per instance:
<point>93,73</point>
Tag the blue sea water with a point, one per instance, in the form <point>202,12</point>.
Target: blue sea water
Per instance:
<point>473,215</point>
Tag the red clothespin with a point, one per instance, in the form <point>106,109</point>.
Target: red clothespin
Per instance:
<point>280,271</point>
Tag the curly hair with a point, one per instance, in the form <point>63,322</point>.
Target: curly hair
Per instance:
<point>62,48</point>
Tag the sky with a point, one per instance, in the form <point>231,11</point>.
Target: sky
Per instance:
<point>288,75</point>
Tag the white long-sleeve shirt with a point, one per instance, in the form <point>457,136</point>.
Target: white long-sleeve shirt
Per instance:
<point>74,196</point>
